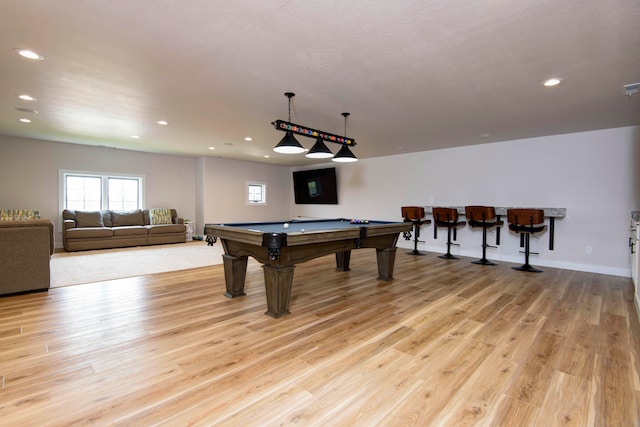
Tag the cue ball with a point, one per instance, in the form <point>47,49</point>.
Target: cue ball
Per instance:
<point>286,225</point>
<point>302,230</point>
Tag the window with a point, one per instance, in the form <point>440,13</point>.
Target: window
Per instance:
<point>124,193</point>
<point>93,192</point>
<point>256,193</point>
<point>83,193</point>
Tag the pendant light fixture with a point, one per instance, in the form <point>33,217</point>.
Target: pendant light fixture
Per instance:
<point>289,144</point>
<point>345,155</point>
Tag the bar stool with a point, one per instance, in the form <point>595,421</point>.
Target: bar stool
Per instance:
<point>446,217</point>
<point>526,222</point>
<point>482,217</point>
<point>414,215</point>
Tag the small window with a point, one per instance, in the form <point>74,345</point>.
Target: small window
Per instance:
<point>256,193</point>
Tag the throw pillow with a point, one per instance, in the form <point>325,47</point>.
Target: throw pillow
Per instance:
<point>120,218</point>
<point>89,219</point>
<point>160,216</point>
<point>18,214</point>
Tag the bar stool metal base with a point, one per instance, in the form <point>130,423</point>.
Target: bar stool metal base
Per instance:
<point>449,243</point>
<point>416,230</point>
<point>478,216</point>
<point>527,267</point>
<point>415,252</point>
<point>448,256</point>
<point>529,223</point>
<point>483,261</point>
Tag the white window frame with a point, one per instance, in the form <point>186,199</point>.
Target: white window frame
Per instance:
<point>104,176</point>
<point>264,193</point>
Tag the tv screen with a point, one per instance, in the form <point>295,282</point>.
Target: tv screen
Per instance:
<point>318,186</point>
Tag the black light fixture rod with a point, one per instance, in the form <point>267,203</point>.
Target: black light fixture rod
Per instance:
<point>345,115</point>
<point>289,95</point>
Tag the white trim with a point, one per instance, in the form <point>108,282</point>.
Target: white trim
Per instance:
<point>455,250</point>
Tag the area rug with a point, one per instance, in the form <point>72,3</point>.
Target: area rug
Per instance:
<point>74,268</point>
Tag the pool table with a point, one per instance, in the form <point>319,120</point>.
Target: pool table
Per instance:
<point>280,249</point>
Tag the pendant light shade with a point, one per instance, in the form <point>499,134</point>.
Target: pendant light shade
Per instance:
<point>344,155</point>
<point>289,145</point>
<point>319,151</point>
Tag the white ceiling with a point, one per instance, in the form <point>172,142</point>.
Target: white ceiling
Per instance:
<point>415,75</point>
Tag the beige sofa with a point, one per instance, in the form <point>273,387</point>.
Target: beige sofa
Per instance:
<point>85,230</point>
<point>26,247</point>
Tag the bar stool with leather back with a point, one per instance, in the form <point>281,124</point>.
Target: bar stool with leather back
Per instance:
<point>446,218</point>
<point>482,217</point>
<point>414,215</point>
<point>526,222</point>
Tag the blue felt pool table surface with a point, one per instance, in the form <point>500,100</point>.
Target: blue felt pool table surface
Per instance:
<point>296,226</point>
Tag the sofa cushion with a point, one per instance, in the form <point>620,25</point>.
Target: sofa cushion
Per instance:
<point>130,230</point>
<point>106,218</point>
<point>83,233</point>
<point>89,219</point>
<point>160,216</point>
<point>120,218</point>
<point>166,228</point>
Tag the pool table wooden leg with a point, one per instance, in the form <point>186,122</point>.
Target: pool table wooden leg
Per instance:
<point>342,260</point>
<point>278,282</point>
<point>235,270</point>
<point>386,261</point>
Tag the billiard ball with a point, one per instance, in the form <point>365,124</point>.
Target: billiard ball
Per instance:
<point>302,231</point>
<point>286,225</point>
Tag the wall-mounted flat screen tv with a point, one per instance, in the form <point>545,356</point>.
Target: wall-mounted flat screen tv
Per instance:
<point>317,186</point>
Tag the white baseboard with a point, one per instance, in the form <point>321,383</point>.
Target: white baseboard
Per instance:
<point>588,268</point>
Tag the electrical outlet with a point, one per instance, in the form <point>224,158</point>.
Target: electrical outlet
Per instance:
<point>588,250</point>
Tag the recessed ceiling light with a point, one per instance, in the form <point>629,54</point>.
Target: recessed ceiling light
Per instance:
<point>552,82</point>
<point>25,120</point>
<point>212,148</point>
<point>248,138</point>
<point>135,136</point>
<point>162,122</point>
<point>29,54</point>
<point>26,97</point>
<point>266,156</point>
<point>485,135</point>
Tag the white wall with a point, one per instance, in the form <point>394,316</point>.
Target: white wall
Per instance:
<point>592,174</point>
<point>29,171</point>
<point>225,183</point>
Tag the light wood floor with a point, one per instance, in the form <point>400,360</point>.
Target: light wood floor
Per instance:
<point>445,343</point>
